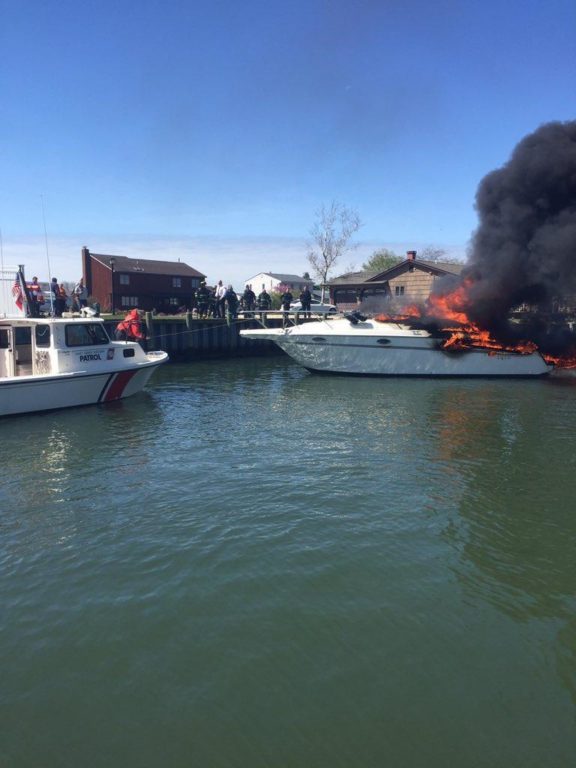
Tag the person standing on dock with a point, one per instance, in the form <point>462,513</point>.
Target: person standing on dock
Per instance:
<point>220,300</point>
<point>212,303</point>
<point>249,299</point>
<point>264,301</point>
<point>286,299</point>
<point>202,300</point>
<point>80,295</point>
<point>306,301</point>
<point>231,301</point>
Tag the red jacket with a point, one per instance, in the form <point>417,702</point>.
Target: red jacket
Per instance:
<point>131,325</point>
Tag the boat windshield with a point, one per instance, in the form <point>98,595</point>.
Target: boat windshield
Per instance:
<point>86,335</point>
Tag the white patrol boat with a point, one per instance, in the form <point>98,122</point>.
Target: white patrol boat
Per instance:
<point>48,363</point>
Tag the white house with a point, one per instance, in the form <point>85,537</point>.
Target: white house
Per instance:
<point>273,281</point>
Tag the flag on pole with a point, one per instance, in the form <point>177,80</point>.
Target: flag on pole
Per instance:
<point>17,292</point>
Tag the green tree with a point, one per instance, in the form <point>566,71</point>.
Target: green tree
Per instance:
<point>382,260</point>
<point>331,234</point>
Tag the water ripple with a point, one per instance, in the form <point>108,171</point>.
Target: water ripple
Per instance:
<point>251,562</point>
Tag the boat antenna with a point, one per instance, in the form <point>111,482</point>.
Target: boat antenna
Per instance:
<point>47,255</point>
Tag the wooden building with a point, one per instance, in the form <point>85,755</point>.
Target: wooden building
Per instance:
<point>408,281</point>
<point>118,283</point>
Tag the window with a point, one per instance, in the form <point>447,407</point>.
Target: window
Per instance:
<point>399,290</point>
<point>22,335</point>
<point>124,279</point>
<point>128,301</point>
<point>195,282</point>
<point>86,335</point>
<point>176,282</point>
<point>342,295</point>
<point>174,302</point>
<point>42,333</point>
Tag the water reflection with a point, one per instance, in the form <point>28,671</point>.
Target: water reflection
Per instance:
<point>514,524</point>
<point>221,474</point>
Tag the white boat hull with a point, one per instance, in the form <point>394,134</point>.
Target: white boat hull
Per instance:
<point>27,394</point>
<point>62,362</point>
<point>388,349</point>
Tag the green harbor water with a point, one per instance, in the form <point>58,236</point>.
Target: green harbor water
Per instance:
<point>247,566</point>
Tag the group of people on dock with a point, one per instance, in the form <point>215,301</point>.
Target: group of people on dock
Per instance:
<point>57,300</point>
<point>221,301</point>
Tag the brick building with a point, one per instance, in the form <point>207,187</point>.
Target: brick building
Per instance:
<point>119,283</point>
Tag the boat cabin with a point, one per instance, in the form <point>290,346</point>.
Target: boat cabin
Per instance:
<point>62,362</point>
<point>30,347</point>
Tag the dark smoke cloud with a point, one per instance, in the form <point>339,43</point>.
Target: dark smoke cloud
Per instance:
<point>524,250</point>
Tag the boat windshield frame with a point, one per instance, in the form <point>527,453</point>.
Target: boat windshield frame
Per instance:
<point>85,334</point>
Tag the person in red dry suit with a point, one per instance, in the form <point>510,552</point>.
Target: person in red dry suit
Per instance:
<point>130,329</point>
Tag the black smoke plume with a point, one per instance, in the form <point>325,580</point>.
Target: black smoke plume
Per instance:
<point>524,250</point>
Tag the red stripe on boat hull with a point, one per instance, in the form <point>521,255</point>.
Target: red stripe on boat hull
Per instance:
<point>116,389</point>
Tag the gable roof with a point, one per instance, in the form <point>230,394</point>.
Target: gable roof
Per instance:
<point>435,267</point>
<point>147,266</point>
<point>283,278</point>
<point>352,278</point>
<point>438,268</point>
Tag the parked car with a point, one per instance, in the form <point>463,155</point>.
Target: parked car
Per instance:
<point>316,307</point>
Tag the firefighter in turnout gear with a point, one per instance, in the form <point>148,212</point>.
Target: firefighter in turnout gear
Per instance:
<point>203,300</point>
<point>264,300</point>
<point>286,299</point>
<point>248,299</point>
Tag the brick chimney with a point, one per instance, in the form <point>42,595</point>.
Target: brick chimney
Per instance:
<point>411,255</point>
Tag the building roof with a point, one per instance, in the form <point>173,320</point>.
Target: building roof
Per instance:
<point>352,278</point>
<point>284,278</point>
<point>359,278</point>
<point>439,267</point>
<point>147,266</point>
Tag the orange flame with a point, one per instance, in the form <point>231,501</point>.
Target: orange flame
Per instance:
<point>569,361</point>
<point>472,336</point>
<point>451,307</point>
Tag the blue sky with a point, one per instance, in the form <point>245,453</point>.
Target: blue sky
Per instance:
<point>212,131</point>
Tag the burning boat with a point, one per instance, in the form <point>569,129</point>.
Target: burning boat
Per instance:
<point>522,261</point>
<point>355,344</point>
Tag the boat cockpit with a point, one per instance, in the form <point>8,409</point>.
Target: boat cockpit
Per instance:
<point>31,347</point>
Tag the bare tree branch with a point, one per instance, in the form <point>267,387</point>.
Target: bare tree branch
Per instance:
<point>331,234</point>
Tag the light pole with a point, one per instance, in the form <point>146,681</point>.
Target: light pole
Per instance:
<point>112,263</point>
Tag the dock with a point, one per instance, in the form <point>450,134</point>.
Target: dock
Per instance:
<point>186,337</point>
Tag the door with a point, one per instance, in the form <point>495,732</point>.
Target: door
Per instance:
<point>6,352</point>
